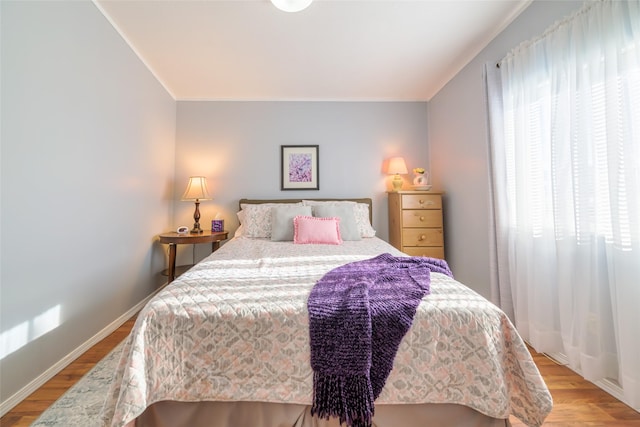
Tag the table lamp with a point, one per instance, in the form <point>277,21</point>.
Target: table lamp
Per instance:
<point>196,191</point>
<point>397,166</point>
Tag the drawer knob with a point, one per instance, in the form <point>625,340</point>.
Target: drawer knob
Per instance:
<point>421,218</point>
<point>427,202</point>
<point>422,237</point>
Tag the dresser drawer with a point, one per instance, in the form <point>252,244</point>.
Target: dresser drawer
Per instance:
<point>421,218</point>
<point>421,201</point>
<point>422,237</point>
<point>427,251</point>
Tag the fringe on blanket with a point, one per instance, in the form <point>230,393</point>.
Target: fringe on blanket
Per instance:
<point>332,392</point>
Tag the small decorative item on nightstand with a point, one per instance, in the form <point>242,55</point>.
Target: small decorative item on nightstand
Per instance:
<point>420,179</point>
<point>217,225</point>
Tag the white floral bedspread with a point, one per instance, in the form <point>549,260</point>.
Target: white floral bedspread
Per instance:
<point>235,328</point>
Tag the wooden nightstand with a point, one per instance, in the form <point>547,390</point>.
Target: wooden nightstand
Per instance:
<point>415,223</point>
<point>173,239</point>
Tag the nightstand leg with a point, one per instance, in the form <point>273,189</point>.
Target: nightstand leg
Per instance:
<point>172,262</point>
<point>215,246</point>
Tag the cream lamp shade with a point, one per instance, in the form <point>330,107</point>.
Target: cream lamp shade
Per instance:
<point>397,167</point>
<point>291,5</point>
<point>196,190</point>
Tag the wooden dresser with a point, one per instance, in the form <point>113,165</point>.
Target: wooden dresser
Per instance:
<point>415,223</point>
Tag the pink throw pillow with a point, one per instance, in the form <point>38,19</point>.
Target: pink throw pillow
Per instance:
<point>309,229</point>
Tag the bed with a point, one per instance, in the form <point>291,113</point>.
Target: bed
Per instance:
<point>227,343</point>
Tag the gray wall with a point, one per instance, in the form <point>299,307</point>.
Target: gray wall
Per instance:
<point>87,155</point>
<point>236,145</point>
<point>459,147</point>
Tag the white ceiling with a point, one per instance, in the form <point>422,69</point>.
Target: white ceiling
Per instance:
<point>333,50</point>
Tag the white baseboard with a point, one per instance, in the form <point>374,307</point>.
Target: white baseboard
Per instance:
<point>24,392</point>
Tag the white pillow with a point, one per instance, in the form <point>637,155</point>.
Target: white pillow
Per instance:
<point>257,218</point>
<point>360,211</point>
<point>240,230</point>
<point>282,221</point>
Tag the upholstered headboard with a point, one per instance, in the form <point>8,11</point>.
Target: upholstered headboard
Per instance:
<point>366,201</point>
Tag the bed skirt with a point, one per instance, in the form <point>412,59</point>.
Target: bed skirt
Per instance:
<point>260,414</point>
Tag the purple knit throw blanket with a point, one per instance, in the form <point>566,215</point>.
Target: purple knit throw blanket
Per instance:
<point>358,314</point>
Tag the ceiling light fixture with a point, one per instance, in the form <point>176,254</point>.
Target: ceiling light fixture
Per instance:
<point>291,5</point>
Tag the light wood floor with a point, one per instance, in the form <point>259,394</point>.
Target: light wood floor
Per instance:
<point>576,402</point>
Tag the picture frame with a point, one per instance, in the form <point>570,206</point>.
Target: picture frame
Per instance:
<point>299,167</point>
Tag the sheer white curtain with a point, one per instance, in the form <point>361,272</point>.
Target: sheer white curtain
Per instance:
<point>565,141</point>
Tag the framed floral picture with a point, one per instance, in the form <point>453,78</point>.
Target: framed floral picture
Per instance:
<point>299,167</point>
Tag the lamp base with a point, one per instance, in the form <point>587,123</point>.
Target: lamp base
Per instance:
<point>397,183</point>
<point>196,219</point>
